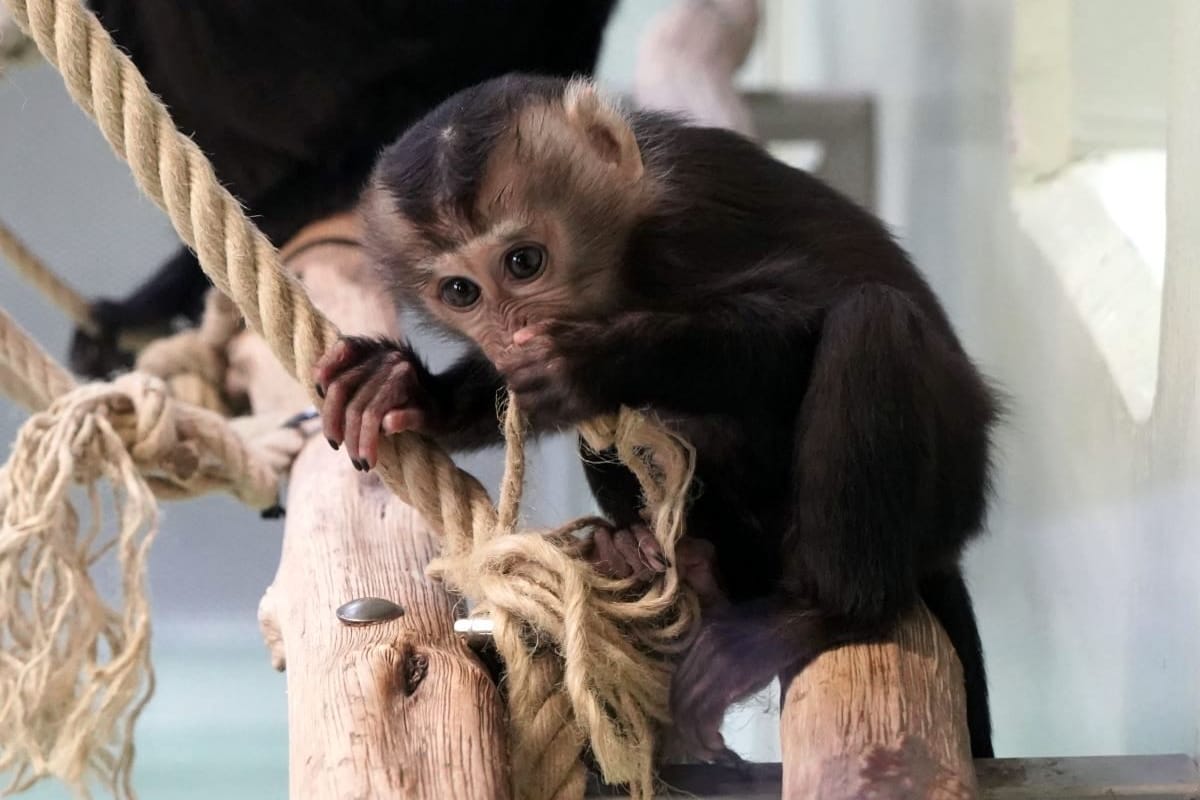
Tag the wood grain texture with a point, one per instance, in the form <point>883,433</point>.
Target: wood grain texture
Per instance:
<point>881,721</point>
<point>397,709</point>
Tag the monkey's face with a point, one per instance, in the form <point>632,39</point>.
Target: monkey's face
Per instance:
<point>509,207</point>
<point>519,273</point>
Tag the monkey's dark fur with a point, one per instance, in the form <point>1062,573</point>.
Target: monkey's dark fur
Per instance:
<point>841,432</point>
<point>292,100</point>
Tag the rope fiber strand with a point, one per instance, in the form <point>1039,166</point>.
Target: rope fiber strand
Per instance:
<point>30,267</point>
<point>75,668</point>
<point>586,662</point>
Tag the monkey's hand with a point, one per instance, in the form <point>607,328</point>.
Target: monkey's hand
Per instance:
<point>551,368</point>
<point>631,552</point>
<point>371,386</point>
<point>97,354</point>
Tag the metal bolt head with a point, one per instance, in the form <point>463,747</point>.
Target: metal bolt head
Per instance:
<point>477,626</point>
<point>368,611</point>
<point>477,632</point>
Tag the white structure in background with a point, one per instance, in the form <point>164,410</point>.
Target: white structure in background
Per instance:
<point>1074,279</point>
<point>1086,586</point>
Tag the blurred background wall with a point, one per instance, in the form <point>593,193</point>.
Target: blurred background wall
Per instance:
<point>1084,586</point>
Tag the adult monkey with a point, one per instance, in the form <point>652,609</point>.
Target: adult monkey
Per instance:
<point>292,100</point>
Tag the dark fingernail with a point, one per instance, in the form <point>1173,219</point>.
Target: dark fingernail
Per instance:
<point>332,443</point>
<point>361,464</point>
<point>320,391</point>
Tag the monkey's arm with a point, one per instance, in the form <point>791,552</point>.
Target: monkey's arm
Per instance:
<point>374,386</point>
<point>176,289</point>
<point>720,359</point>
<point>467,396</point>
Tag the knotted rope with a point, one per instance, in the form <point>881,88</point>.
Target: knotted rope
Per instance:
<point>75,669</point>
<point>193,362</point>
<point>581,638</point>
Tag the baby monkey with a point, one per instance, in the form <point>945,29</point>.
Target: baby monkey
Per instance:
<point>594,257</point>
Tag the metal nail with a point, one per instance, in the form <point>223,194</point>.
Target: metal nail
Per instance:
<point>368,611</point>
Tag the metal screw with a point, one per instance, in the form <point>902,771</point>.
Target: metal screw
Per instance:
<point>476,630</point>
<point>368,611</point>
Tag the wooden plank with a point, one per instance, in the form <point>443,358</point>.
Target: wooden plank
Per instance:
<point>1152,777</point>
<point>1156,777</point>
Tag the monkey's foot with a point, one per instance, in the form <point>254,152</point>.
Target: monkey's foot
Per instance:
<point>738,652</point>
<point>631,552</point>
<point>696,560</point>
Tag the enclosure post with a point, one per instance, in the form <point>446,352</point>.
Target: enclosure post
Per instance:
<point>396,709</point>
<point>885,721</point>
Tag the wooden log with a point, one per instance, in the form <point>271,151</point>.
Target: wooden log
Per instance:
<point>881,721</point>
<point>401,708</point>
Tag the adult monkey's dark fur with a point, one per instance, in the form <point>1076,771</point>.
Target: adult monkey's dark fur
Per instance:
<point>841,432</point>
<point>293,99</point>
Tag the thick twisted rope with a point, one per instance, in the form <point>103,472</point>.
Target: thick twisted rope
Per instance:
<point>27,372</point>
<point>241,262</point>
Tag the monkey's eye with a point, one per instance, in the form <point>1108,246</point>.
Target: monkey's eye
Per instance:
<point>525,261</point>
<point>459,292</point>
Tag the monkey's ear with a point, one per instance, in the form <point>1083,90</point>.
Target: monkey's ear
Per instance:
<point>603,128</point>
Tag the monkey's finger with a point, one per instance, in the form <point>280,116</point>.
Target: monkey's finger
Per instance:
<point>370,427</point>
<point>534,360</point>
<point>539,387</point>
<point>366,395</point>
<point>399,420</point>
<point>393,390</point>
<point>626,545</point>
<point>712,740</point>
<point>342,355</point>
<point>732,760</point>
<point>530,332</point>
<point>338,396</point>
<point>605,558</point>
<point>697,563</point>
<point>649,549</point>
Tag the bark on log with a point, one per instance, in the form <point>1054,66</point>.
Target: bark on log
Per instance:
<point>881,721</point>
<point>400,708</point>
